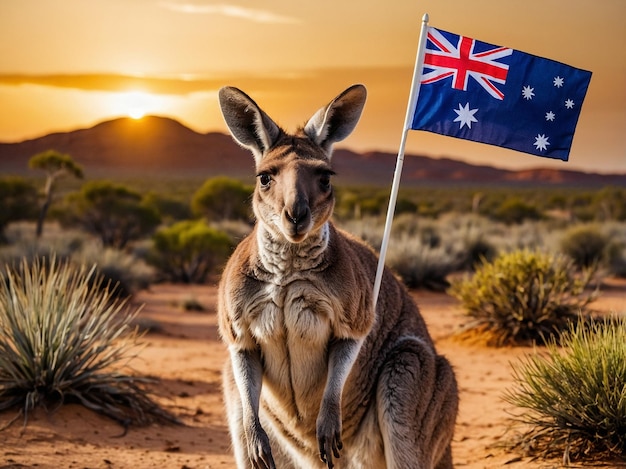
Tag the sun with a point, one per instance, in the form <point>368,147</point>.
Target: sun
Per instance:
<point>136,104</point>
<point>136,113</point>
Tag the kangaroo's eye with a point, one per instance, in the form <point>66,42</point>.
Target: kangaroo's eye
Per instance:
<point>265,179</point>
<point>325,182</point>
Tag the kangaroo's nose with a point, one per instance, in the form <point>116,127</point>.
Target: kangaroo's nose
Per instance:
<point>298,212</point>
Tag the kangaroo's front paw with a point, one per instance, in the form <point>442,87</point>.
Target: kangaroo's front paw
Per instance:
<point>259,450</point>
<point>329,437</point>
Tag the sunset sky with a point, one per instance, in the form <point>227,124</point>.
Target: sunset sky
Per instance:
<point>68,64</point>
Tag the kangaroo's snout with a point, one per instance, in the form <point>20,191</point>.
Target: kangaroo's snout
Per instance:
<point>299,214</point>
<point>299,211</point>
<point>297,218</point>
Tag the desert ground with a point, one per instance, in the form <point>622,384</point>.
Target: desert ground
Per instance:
<point>186,355</point>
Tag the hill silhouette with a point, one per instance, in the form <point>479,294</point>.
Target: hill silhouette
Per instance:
<point>160,146</point>
<point>151,145</point>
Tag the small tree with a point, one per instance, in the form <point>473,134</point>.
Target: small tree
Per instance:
<point>113,212</point>
<point>222,198</point>
<point>18,201</point>
<point>55,165</point>
<point>189,251</point>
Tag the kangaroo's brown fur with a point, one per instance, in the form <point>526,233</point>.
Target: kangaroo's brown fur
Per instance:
<point>316,377</point>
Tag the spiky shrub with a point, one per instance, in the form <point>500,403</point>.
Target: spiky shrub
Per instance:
<point>61,340</point>
<point>571,401</point>
<point>522,296</point>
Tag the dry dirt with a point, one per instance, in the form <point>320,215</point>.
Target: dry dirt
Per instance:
<point>187,356</point>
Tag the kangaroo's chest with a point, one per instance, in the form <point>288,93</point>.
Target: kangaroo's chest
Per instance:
<point>292,323</point>
<point>296,312</point>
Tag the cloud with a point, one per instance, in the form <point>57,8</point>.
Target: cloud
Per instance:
<point>233,11</point>
<point>179,85</point>
<point>114,83</point>
<point>284,85</point>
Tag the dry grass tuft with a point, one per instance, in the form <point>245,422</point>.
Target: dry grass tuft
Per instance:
<point>572,400</point>
<point>65,338</point>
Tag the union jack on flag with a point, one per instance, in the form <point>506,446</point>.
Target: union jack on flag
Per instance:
<point>463,61</point>
<point>477,91</point>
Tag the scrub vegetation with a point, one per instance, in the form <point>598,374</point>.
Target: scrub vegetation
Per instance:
<point>524,262</point>
<point>570,398</point>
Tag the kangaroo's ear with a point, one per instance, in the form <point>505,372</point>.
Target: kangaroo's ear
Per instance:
<point>338,119</point>
<point>249,125</point>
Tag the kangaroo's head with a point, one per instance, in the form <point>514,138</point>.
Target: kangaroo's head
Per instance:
<point>293,196</point>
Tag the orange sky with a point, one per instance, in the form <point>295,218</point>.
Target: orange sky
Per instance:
<point>68,64</point>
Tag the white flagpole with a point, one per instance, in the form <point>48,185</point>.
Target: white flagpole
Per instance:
<point>415,86</point>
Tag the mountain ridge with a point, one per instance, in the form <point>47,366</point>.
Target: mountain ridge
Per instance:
<point>161,146</point>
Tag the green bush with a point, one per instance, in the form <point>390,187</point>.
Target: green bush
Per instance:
<point>521,297</point>
<point>189,251</point>
<point>574,400</point>
<point>586,245</point>
<point>111,211</point>
<point>355,203</point>
<point>222,198</point>
<point>62,341</point>
<point>169,208</point>
<point>515,210</point>
<point>18,201</point>
<point>405,206</point>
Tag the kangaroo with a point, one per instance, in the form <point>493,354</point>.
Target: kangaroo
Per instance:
<point>318,376</point>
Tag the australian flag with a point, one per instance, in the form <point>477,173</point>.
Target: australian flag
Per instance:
<point>500,96</point>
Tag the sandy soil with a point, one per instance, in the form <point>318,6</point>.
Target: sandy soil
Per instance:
<point>186,355</point>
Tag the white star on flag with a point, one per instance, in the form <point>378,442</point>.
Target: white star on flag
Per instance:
<point>528,92</point>
<point>558,82</point>
<point>569,104</point>
<point>465,115</point>
<point>550,116</point>
<point>541,142</point>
